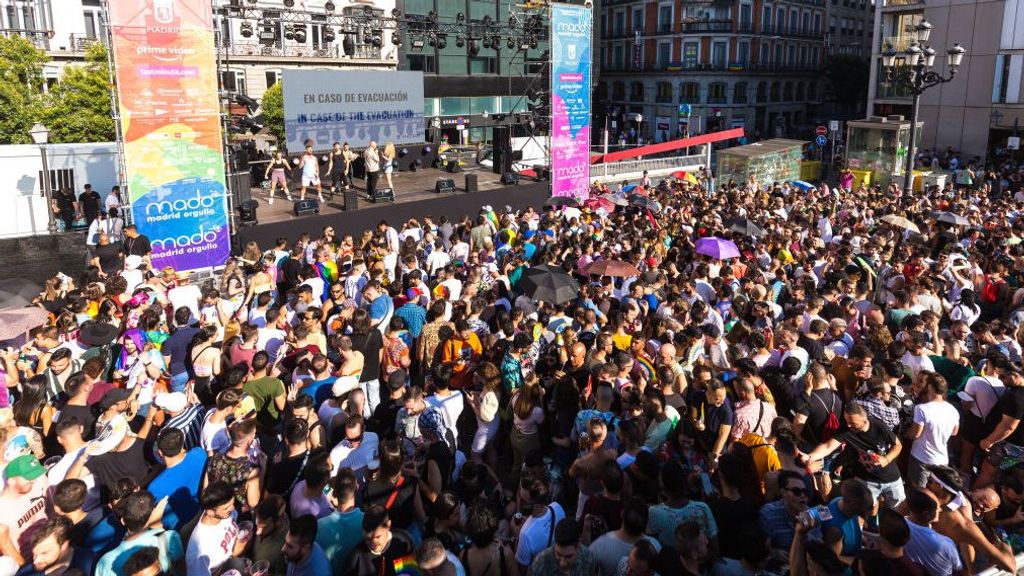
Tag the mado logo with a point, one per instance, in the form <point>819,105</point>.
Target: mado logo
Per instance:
<point>201,236</point>
<point>184,202</point>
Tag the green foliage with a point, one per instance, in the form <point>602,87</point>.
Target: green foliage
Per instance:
<point>849,76</point>
<point>21,80</point>
<point>273,111</point>
<point>77,109</point>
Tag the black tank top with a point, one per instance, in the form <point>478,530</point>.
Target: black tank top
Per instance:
<point>280,164</point>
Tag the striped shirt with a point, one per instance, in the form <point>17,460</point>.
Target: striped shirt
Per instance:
<point>190,422</point>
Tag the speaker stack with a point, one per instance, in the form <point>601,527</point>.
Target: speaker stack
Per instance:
<point>444,185</point>
<point>472,184</point>
<point>502,156</point>
<point>308,206</point>
<point>508,178</point>
<point>351,200</point>
<point>383,195</point>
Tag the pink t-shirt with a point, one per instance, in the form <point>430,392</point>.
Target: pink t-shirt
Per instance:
<point>529,426</point>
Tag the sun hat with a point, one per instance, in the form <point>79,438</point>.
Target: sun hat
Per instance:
<point>110,437</point>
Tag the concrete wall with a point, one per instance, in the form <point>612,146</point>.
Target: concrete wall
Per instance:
<point>24,210</point>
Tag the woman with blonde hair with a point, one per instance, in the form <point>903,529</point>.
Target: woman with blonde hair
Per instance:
<point>527,416</point>
<point>485,404</point>
<point>387,160</point>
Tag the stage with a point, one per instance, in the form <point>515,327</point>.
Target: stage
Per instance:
<point>414,198</point>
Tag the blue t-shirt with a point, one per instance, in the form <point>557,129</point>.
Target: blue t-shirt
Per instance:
<point>338,534</point>
<point>181,485</point>
<point>319,390</point>
<point>176,346</point>
<point>315,565</point>
<point>848,525</point>
<point>379,307</point>
<point>168,542</point>
<point>415,317</point>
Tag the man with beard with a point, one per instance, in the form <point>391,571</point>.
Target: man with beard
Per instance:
<point>304,556</point>
<point>382,550</point>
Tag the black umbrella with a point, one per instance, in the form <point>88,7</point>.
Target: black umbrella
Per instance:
<point>17,292</point>
<point>559,201</point>
<point>746,227</point>
<point>549,284</point>
<point>645,202</point>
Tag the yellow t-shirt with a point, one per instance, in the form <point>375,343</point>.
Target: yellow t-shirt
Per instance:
<point>766,459</point>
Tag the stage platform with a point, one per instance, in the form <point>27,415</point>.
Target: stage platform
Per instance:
<point>414,198</point>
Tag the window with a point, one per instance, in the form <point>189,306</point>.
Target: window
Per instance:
<point>638,19</point>
<point>787,92</point>
<point>762,91</point>
<point>618,91</point>
<point>805,23</point>
<point>791,59</point>
<point>817,24</point>
<point>59,179</point>
<point>799,91</point>
<point>719,52</point>
<point>716,93</point>
<point>793,21</point>
<point>28,17</point>
<point>664,54</point>
<point>273,77</point>
<point>832,24</point>
<point>12,17</point>
<point>739,93</point>
<point>665,19</point>
<point>689,93</point>
<point>483,65</point>
<point>636,91</point>
<point>317,23</point>
<point>421,62</point>
<point>233,81</point>
<point>604,24</point>
<point>91,29</point>
<point>778,56</point>
<point>766,19</point>
<point>746,17</point>
<point>743,54</point>
<point>780,20</point>
<point>812,91</point>
<point>690,51</point>
<point>663,92</point>
<point>766,54</point>
<point>776,91</point>
<point>814,57</point>
<point>803,55</point>
<point>620,24</point>
<point>1002,78</point>
<point>619,57</point>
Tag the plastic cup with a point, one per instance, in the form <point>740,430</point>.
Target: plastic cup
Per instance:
<point>261,568</point>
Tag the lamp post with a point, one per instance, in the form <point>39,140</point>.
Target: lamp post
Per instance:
<point>41,135</point>
<point>920,57</point>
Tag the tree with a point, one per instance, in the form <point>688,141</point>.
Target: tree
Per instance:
<point>21,81</point>
<point>849,76</point>
<point>77,109</point>
<point>273,111</point>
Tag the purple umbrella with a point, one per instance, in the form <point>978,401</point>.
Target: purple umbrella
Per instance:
<point>717,248</point>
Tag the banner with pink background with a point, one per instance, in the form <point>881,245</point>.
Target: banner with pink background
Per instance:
<point>570,100</point>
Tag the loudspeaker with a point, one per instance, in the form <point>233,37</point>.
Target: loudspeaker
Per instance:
<point>383,195</point>
<point>444,186</point>
<point>510,178</point>
<point>247,213</point>
<point>452,166</point>
<point>542,171</point>
<point>308,206</point>
<point>351,200</point>
<point>472,184</point>
<point>502,144</point>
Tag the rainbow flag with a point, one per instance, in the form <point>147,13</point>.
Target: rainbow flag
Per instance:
<point>328,271</point>
<point>648,367</point>
<point>492,216</point>
<point>407,565</point>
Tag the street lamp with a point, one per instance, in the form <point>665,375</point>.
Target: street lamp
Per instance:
<point>41,135</point>
<point>920,58</point>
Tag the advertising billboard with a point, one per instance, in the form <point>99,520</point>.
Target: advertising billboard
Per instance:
<point>170,113</point>
<point>570,100</point>
<point>354,106</point>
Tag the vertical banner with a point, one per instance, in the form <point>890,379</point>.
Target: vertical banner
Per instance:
<point>170,113</point>
<point>570,100</point>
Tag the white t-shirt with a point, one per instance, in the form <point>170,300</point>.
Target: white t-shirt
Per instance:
<point>937,420</point>
<point>986,391</point>
<point>917,364</point>
<point>345,456</point>
<point>214,434</point>
<point>187,296</point>
<point>451,406</point>
<point>270,339</point>
<point>609,550</point>
<point>538,534</point>
<point>937,553</point>
<point>59,472</point>
<point>210,546</point>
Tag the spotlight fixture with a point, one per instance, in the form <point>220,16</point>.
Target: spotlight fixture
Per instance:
<point>533,42</point>
<point>512,22</point>
<point>289,32</point>
<point>488,21</point>
<point>396,38</point>
<point>442,41</point>
<point>252,1</point>
<point>377,40</point>
<point>432,41</point>
<point>510,42</point>
<point>300,33</point>
<point>486,41</point>
<point>246,29</point>
<point>432,17</point>
<point>417,44</point>
<point>524,44</point>
<point>328,34</point>
<point>460,40</point>
<point>496,41</point>
<point>348,45</point>
<point>396,13</point>
<point>460,18</point>
<point>289,3</point>
<point>329,6</point>
<point>474,47</point>
<point>368,10</point>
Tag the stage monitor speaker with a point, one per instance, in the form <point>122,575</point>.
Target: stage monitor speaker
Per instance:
<point>383,195</point>
<point>510,177</point>
<point>502,145</point>
<point>444,186</point>
<point>351,200</point>
<point>472,184</point>
<point>453,166</point>
<point>308,206</point>
<point>247,213</point>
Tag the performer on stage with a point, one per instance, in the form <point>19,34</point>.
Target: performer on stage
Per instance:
<point>310,173</point>
<point>371,156</point>
<point>387,160</point>
<point>339,166</point>
<point>277,171</point>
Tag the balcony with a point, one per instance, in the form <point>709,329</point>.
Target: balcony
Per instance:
<point>38,38</point>
<point>707,26</point>
<point>734,68</point>
<point>900,43</point>
<point>897,5</point>
<point>788,32</point>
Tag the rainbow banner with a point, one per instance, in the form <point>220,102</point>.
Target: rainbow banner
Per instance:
<point>570,100</point>
<point>170,113</point>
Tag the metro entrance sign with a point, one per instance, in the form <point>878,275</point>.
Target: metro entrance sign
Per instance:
<point>821,131</point>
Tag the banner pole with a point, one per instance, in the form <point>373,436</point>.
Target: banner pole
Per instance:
<point>115,113</point>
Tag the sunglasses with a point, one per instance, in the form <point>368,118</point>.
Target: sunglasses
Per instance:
<point>797,491</point>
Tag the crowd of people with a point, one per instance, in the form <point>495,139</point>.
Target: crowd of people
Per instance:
<point>841,393</point>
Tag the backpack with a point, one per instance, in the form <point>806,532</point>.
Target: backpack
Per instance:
<point>831,425</point>
<point>990,290</point>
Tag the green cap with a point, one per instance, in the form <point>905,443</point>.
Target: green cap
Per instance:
<point>26,466</point>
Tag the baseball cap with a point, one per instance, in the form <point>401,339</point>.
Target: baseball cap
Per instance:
<point>26,466</point>
<point>113,396</point>
<point>397,379</point>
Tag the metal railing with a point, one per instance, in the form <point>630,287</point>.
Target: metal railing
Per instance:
<point>630,166</point>
<point>79,43</point>
<point>38,38</point>
<point>257,49</point>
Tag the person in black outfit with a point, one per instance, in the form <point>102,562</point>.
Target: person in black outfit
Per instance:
<point>381,545</point>
<point>65,207</point>
<point>290,269</point>
<point>89,202</point>
<point>136,244</point>
<point>107,256</point>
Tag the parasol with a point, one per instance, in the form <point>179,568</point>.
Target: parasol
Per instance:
<point>614,268</point>
<point>549,284</point>
<point>717,248</point>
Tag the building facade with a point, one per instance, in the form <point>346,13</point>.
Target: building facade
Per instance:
<point>672,68</point>
<point>983,106</point>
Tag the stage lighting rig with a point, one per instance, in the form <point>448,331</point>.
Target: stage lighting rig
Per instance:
<point>246,29</point>
<point>348,44</point>
<point>328,34</point>
<point>329,6</point>
<point>289,3</point>
<point>460,40</point>
<point>289,32</point>
<point>474,47</point>
<point>396,38</point>
<point>300,33</point>
<point>442,41</point>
